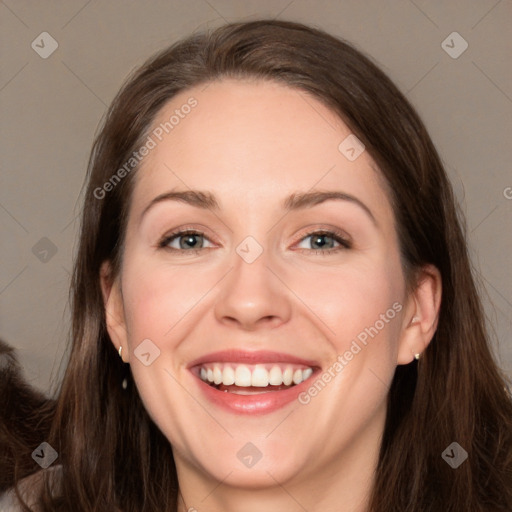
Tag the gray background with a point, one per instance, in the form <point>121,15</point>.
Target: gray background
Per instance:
<point>50,109</point>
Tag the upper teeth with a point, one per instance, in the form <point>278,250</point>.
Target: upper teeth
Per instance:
<point>259,375</point>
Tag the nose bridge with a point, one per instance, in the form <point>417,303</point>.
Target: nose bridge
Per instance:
<point>251,294</point>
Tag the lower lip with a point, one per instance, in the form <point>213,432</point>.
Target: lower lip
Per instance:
<point>262,403</point>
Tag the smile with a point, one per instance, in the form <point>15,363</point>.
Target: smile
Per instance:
<point>252,382</point>
<point>230,377</point>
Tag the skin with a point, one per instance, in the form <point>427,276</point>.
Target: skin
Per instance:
<point>253,144</point>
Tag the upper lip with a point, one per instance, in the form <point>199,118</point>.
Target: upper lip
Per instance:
<point>251,357</point>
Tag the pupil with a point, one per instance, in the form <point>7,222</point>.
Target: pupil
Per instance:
<point>320,238</point>
<point>189,240</point>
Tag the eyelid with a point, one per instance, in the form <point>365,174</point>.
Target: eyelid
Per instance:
<point>341,237</point>
<point>324,230</point>
<point>182,231</point>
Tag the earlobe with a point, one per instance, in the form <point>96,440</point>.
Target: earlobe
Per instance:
<point>114,310</point>
<point>422,315</point>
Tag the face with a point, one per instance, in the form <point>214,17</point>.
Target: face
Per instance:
<point>292,303</point>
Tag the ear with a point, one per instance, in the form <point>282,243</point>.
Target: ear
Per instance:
<point>421,315</point>
<point>114,309</point>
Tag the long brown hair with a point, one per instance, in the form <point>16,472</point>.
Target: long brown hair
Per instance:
<point>25,415</point>
<point>115,458</point>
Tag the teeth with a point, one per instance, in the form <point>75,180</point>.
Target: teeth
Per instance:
<point>242,376</point>
<point>217,375</point>
<point>259,375</point>
<point>228,376</point>
<point>307,373</point>
<point>275,377</point>
<point>288,376</point>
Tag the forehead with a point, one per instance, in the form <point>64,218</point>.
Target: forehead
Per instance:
<point>253,137</point>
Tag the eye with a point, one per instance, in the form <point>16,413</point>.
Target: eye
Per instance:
<point>186,240</point>
<point>321,242</point>
<point>325,242</point>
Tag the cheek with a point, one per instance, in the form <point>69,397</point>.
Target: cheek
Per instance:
<point>360,307</point>
<point>346,301</point>
<point>156,301</point>
<point>159,297</point>
<point>353,299</point>
<point>361,310</point>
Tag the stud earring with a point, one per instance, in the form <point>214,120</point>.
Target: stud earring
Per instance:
<point>416,356</point>
<point>124,383</point>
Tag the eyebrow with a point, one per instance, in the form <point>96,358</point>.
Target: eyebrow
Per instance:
<point>296,201</point>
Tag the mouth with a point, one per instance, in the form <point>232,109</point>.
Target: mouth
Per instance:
<point>252,382</point>
<point>244,379</point>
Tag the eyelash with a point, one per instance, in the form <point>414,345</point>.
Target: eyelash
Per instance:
<point>337,236</point>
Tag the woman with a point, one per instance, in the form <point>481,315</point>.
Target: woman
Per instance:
<point>273,305</point>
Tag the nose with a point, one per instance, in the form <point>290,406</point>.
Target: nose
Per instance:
<point>253,297</point>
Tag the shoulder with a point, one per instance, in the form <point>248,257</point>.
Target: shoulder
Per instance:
<point>29,488</point>
<point>9,502</point>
